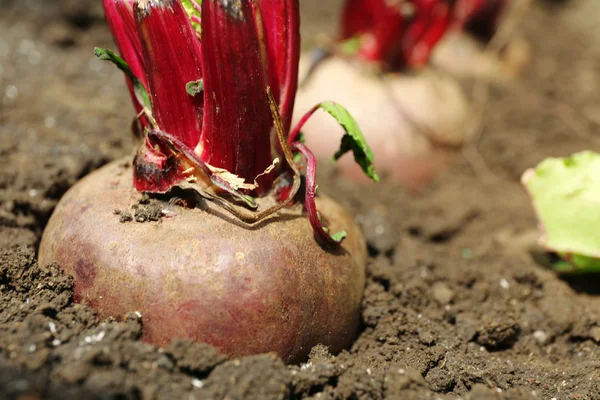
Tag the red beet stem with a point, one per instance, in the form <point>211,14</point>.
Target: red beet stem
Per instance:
<point>238,123</point>
<point>293,137</point>
<point>400,34</point>
<point>154,170</point>
<point>172,58</point>
<point>380,26</point>
<point>281,19</point>
<point>425,32</point>
<point>121,22</point>
<point>321,233</point>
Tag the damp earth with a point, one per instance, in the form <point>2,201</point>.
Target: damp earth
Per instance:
<point>459,300</point>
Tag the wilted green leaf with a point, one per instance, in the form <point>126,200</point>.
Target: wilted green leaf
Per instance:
<point>566,197</point>
<point>353,140</point>
<point>338,236</point>
<point>195,87</point>
<point>350,47</point>
<point>138,87</point>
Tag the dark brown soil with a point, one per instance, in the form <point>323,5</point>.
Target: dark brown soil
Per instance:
<point>455,304</point>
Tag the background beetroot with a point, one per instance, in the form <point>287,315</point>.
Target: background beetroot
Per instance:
<point>462,56</point>
<point>199,274</point>
<point>416,119</point>
<point>413,123</point>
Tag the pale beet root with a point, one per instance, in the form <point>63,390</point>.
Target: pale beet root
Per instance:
<point>202,275</point>
<point>413,123</point>
<point>463,56</point>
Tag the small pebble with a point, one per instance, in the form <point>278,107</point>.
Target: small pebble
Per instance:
<point>11,92</point>
<point>197,383</point>
<point>540,336</point>
<point>125,217</point>
<point>442,293</point>
<point>595,334</point>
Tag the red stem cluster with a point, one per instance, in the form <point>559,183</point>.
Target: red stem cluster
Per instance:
<point>233,51</point>
<point>402,33</point>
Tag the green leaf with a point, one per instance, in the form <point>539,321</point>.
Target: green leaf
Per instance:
<point>140,91</point>
<point>338,236</point>
<point>192,11</point>
<point>566,197</point>
<point>195,87</point>
<point>577,263</point>
<point>353,140</point>
<point>350,47</point>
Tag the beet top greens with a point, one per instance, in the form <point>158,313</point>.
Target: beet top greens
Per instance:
<point>214,83</point>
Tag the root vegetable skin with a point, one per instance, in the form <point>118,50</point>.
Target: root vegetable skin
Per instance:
<point>200,275</point>
<point>412,123</point>
<point>463,56</point>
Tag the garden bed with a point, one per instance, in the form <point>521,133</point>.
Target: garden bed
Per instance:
<point>459,301</point>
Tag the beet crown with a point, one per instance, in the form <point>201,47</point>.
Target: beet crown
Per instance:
<point>225,53</point>
<point>402,33</point>
<point>214,83</point>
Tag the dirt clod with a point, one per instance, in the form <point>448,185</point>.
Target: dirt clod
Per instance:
<point>148,212</point>
<point>195,358</point>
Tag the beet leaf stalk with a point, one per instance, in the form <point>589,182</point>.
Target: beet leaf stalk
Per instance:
<point>214,83</point>
<point>402,34</point>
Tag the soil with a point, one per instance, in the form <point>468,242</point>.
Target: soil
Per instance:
<point>459,301</point>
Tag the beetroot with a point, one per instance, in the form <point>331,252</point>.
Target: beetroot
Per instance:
<point>244,263</point>
<point>202,276</point>
<point>416,118</point>
<point>413,123</point>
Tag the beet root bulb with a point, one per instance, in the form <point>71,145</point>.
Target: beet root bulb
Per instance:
<point>463,56</point>
<point>199,274</point>
<point>414,124</point>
